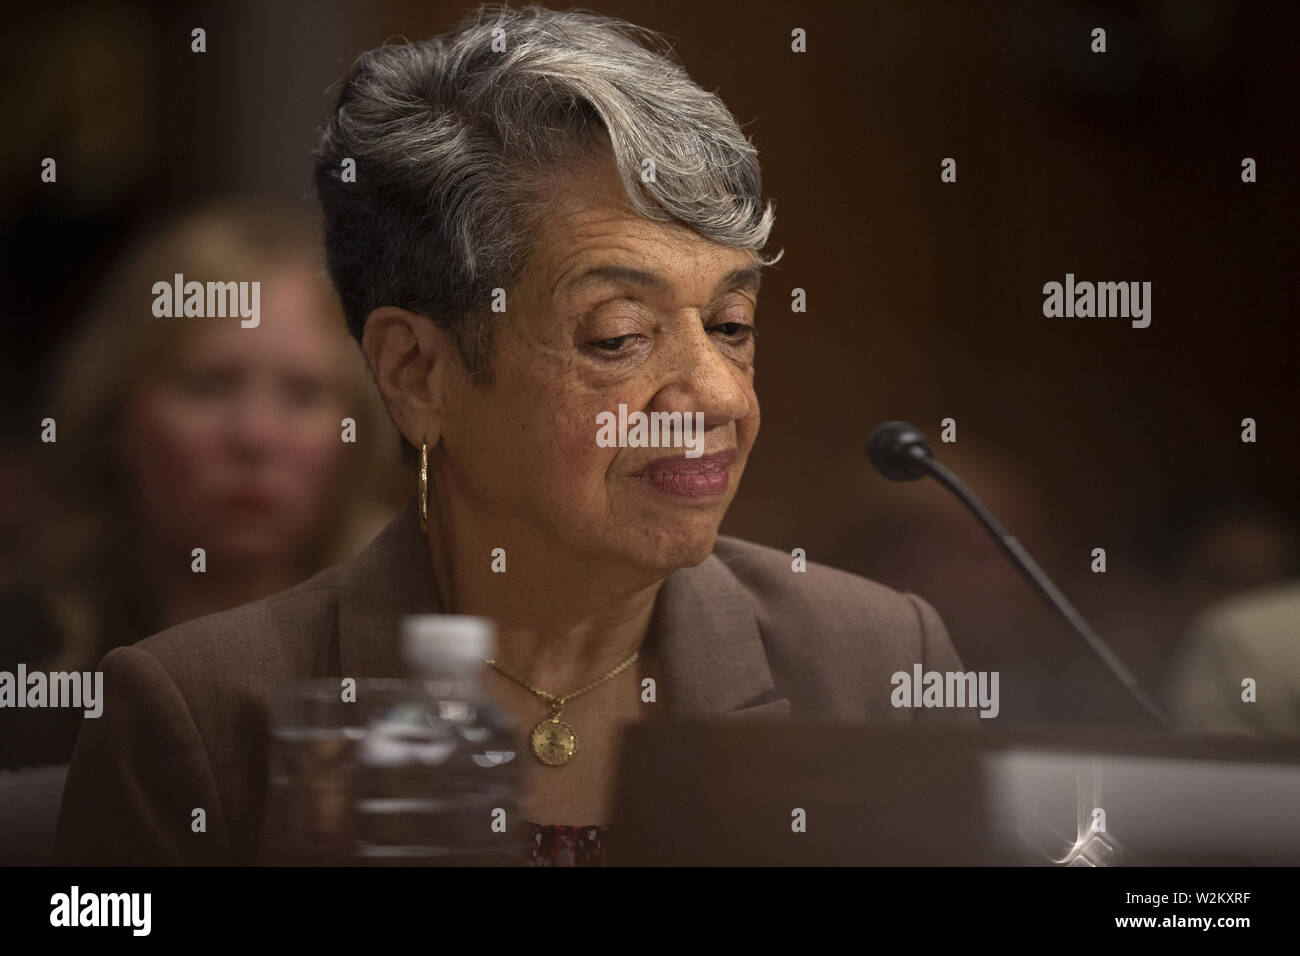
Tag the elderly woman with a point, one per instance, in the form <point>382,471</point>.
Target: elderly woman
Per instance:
<point>531,222</point>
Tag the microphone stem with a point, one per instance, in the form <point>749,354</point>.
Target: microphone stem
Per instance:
<point>1043,584</point>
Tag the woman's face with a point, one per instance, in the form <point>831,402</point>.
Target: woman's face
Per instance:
<point>237,445</point>
<point>615,310</point>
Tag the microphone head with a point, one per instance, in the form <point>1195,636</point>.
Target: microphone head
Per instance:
<point>898,451</point>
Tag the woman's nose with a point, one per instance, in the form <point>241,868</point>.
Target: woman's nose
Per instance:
<point>256,424</point>
<point>706,380</point>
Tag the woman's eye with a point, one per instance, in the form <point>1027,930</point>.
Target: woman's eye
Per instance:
<point>203,385</point>
<point>612,345</point>
<point>305,393</point>
<point>738,331</point>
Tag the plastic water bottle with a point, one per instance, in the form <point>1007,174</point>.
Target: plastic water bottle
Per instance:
<point>438,775</point>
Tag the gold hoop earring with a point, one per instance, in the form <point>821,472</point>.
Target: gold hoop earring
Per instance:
<point>424,485</point>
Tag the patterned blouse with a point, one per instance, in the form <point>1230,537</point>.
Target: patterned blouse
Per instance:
<point>551,844</point>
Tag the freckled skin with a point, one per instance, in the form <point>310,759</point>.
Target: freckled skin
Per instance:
<point>524,449</point>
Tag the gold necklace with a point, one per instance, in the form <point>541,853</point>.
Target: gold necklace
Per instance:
<point>553,741</point>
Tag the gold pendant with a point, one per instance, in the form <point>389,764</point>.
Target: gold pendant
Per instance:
<point>553,741</point>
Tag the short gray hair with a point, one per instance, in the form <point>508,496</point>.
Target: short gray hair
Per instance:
<point>453,142</point>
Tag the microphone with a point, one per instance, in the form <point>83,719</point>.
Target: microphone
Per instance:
<point>900,452</point>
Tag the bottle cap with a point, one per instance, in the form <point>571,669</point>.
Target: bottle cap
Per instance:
<point>430,640</point>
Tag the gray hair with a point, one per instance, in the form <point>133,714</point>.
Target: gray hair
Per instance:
<point>453,143</point>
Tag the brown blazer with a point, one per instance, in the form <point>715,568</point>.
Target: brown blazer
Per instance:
<point>185,721</point>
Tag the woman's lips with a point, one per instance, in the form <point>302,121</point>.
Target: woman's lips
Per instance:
<point>700,477</point>
<point>251,502</point>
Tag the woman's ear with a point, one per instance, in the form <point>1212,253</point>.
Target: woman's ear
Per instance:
<point>411,359</point>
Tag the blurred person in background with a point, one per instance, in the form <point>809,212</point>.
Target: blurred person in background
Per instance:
<point>1170,552</point>
<point>1252,637</point>
<point>1188,550</point>
<point>176,433</point>
<point>1242,561</point>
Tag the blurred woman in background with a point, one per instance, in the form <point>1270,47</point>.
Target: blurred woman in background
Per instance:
<point>177,433</point>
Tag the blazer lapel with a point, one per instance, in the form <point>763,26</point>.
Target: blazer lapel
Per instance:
<point>710,650</point>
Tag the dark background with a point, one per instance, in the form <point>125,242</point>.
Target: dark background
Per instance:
<point>924,298</point>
